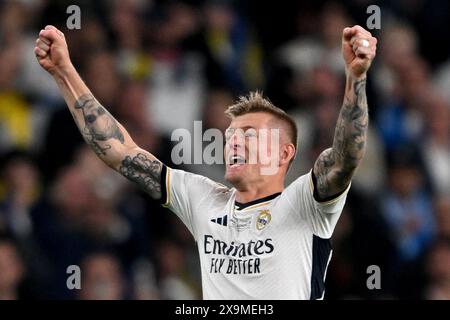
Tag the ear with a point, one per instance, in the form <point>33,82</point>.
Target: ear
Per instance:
<point>287,153</point>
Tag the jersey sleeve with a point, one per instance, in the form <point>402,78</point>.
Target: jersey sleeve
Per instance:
<point>321,216</point>
<point>183,193</point>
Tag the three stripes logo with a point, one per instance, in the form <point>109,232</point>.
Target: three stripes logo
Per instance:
<point>223,221</point>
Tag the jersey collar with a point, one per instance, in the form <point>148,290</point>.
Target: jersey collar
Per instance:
<point>242,206</point>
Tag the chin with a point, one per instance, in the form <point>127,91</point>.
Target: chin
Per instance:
<point>233,177</point>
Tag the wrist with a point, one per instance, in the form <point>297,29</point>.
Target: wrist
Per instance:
<point>353,78</point>
<point>62,72</point>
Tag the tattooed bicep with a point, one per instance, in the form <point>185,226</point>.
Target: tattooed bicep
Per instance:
<point>322,168</point>
<point>144,170</point>
<point>330,178</point>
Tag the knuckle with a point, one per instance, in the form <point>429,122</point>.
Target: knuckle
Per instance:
<point>360,29</point>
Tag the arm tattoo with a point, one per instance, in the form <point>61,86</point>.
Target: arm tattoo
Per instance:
<point>144,172</point>
<point>335,166</point>
<point>99,125</point>
<point>100,129</point>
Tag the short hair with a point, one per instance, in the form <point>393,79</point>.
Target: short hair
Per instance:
<point>255,102</point>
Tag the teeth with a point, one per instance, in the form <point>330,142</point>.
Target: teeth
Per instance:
<point>236,160</point>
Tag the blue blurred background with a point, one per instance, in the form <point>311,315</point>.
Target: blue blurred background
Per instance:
<point>160,65</point>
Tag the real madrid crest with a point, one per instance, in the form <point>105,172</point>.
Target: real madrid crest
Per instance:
<point>263,219</point>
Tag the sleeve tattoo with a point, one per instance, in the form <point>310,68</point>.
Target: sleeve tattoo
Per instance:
<point>100,129</point>
<point>144,172</point>
<point>335,166</point>
<point>99,125</point>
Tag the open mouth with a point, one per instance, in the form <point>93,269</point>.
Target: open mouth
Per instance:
<point>235,161</point>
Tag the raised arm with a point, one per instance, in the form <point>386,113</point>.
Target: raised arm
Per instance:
<point>107,137</point>
<point>334,168</point>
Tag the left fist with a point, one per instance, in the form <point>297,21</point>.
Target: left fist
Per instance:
<point>358,50</point>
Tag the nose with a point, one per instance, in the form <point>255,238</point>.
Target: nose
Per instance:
<point>236,141</point>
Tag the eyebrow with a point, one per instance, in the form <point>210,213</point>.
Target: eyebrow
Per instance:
<point>243,128</point>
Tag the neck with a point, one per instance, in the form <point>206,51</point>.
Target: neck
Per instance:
<point>251,193</point>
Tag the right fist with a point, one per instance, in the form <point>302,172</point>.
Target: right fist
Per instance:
<point>51,50</point>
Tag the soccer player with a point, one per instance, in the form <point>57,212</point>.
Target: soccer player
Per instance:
<point>259,239</point>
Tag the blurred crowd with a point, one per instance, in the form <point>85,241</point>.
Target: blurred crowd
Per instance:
<point>161,65</point>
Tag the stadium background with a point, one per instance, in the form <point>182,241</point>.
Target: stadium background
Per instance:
<point>160,65</point>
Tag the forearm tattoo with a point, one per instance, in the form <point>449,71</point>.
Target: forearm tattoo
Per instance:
<point>144,172</point>
<point>99,125</point>
<point>99,129</point>
<point>335,166</point>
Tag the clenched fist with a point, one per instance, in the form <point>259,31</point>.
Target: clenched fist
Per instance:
<point>51,50</point>
<point>358,50</point>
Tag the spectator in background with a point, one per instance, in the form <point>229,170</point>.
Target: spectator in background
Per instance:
<point>217,102</point>
<point>175,283</point>
<point>232,46</point>
<point>386,75</point>
<point>22,191</point>
<point>102,278</point>
<point>106,185</point>
<point>86,213</point>
<point>20,179</point>
<point>306,53</point>
<point>442,213</point>
<point>407,206</point>
<point>101,73</point>
<point>144,281</point>
<point>134,95</point>
<point>438,271</point>
<point>436,144</point>
<point>35,84</point>
<point>319,112</point>
<point>176,77</point>
<point>12,271</point>
<point>58,221</point>
<point>441,80</point>
<point>125,20</point>
<point>127,25</point>
<point>362,238</point>
<point>401,83</point>
<point>15,111</point>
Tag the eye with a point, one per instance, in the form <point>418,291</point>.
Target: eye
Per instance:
<point>91,118</point>
<point>250,134</point>
<point>229,133</point>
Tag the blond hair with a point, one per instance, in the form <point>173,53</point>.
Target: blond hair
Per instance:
<point>255,102</point>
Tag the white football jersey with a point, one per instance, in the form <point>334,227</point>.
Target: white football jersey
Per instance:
<point>277,247</point>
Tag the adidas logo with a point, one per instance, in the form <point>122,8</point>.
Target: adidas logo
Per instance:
<point>223,221</point>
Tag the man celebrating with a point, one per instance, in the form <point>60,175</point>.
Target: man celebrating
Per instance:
<point>257,240</point>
